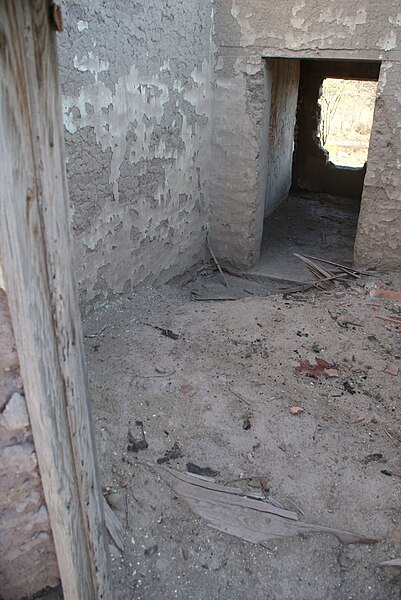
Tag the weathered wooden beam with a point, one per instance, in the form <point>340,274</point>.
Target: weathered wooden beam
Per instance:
<point>35,249</point>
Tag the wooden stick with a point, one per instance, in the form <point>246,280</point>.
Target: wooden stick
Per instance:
<point>239,397</point>
<point>329,262</point>
<point>307,286</point>
<point>310,263</point>
<point>216,261</point>
<point>388,319</point>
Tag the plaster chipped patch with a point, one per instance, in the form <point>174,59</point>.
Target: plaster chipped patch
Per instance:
<point>91,63</point>
<point>114,114</point>
<point>220,64</point>
<point>248,33</point>
<point>381,84</point>
<point>358,19</point>
<point>389,42</point>
<point>249,65</point>
<point>199,94</point>
<point>296,21</point>
<point>331,15</point>
<point>165,66</point>
<point>395,20</point>
<point>82,25</point>
<point>178,87</point>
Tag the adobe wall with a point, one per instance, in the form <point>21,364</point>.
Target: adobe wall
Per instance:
<point>245,33</point>
<point>313,169</point>
<point>28,561</point>
<point>136,84</point>
<point>280,136</point>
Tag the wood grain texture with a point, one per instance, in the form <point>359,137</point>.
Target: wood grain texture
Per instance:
<point>36,261</point>
<point>244,517</point>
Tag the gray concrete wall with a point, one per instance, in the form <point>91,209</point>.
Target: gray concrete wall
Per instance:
<point>28,562</point>
<point>245,32</point>
<point>282,115</point>
<point>136,83</point>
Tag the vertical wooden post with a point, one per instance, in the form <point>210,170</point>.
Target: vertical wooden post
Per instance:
<point>35,250</point>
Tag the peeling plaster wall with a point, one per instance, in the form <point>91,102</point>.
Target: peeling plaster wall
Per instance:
<point>378,240</point>
<point>247,31</point>
<point>136,83</point>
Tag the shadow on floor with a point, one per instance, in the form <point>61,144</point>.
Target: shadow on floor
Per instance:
<point>309,223</point>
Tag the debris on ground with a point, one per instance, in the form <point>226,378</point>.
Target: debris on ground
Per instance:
<point>311,462</point>
<point>216,262</point>
<point>202,471</point>
<point>394,320</point>
<point>151,551</point>
<point>391,369</point>
<point>166,332</point>
<point>322,367</point>
<point>386,294</point>
<point>135,444</point>
<point>348,387</point>
<point>326,277</point>
<point>296,410</point>
<point>114,526</point>
<point>210,297</point>
<point>391,473</point>
<point>372,458</point>
<point>172,454</point>
<point>250,519</point>
<point>394,562</point>
<point>247,422</point>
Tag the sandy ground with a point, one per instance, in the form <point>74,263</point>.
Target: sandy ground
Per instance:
<point>317,462</point>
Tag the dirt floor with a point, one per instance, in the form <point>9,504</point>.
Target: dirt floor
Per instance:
<point>307,223</point>
<point>336,464</point>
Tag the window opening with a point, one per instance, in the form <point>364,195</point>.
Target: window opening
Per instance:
<point>347,107</point>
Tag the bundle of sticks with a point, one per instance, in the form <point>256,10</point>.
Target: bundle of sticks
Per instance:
<point>327,273</point>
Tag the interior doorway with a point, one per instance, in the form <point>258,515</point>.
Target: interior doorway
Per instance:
<point>327,137</point>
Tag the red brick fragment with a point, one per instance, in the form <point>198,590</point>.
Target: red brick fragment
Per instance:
<point>386,294</point>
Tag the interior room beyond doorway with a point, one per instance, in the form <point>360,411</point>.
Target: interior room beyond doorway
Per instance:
<point>312,196</point>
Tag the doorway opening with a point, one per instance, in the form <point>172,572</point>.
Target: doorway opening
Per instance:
<point>315,176</point>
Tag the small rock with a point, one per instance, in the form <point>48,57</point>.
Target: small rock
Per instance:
<point>185,553</point>
<point>296,410</point>
<point>254,483</point>
<point>348,387</point>
<point>372,458</point>
<point>331,372</point>
<point>15,414</point>
<point>392,369</point>
<point>117,502</point>
<point>151,551</point>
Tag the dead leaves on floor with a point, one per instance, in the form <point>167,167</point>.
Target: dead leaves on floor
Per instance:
<point>251,519</point>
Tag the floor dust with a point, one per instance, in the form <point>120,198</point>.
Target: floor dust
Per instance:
<point>219,396</point>
<point>307,223</point>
